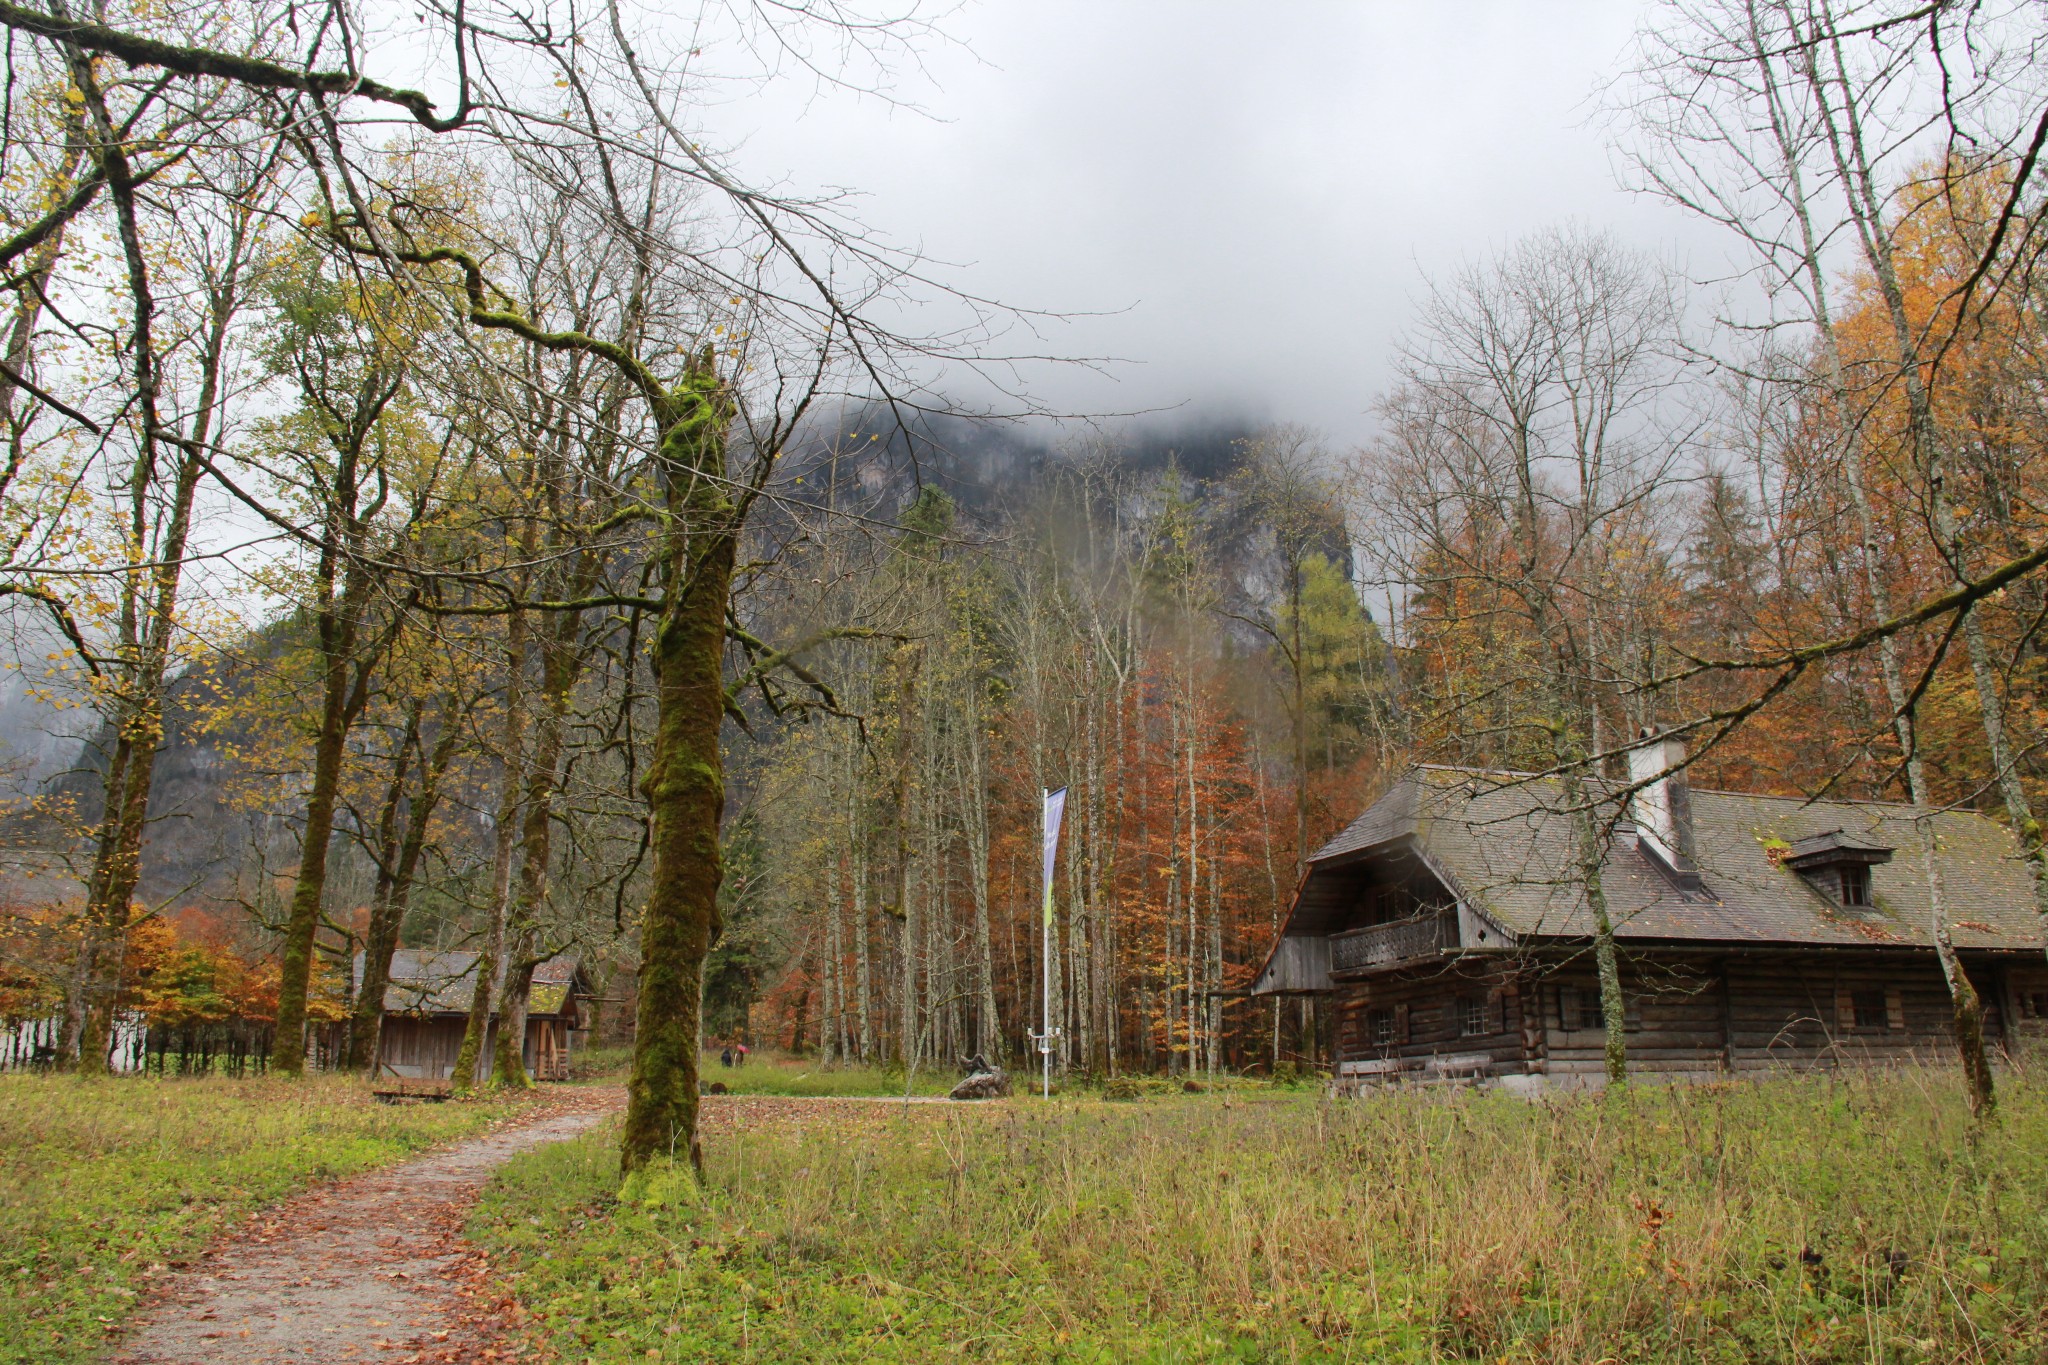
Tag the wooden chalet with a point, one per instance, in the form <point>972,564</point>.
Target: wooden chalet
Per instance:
<point>1449,927</point>
<point>426,1009</point>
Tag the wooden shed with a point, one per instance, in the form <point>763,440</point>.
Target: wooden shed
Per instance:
<point>1450,929</point>
<point>426,1008</point>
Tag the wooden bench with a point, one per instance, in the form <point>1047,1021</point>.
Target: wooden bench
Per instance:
<point>397,1089</point>
<point>1460,1066</point>
<point>1354,1077</point>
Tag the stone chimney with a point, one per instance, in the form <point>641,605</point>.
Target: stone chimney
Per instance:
<point>1661,805</point>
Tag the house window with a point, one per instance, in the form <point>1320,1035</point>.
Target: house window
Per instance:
<point>2036,1004</point>
<point>1870,1009</point>
<point>1379,1027</point>
<point>1579,1009</point>
<point>1855,885</point>
<point>1472,1020</point>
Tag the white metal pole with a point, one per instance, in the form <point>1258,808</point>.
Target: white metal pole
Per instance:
<point>1050,812</point>
<point>1045,951</point>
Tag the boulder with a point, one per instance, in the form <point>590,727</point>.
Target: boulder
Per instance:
<point>982,1085</point>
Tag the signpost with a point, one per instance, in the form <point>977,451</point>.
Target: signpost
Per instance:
<point>1055,806</point>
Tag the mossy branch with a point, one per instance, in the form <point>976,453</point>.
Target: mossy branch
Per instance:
<point>483,315</point>
<point>767,659</point>
<point>137,50</point>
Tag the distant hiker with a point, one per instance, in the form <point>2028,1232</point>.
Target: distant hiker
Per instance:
<point>725,1058</point>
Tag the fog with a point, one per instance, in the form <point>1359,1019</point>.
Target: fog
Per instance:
<point>1246,200</point>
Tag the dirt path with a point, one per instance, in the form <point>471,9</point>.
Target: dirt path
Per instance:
<point>371,1269</point>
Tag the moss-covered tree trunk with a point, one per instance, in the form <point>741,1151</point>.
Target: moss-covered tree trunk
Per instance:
<point>302,925</point>
<point>1592,855</point>
<point>116,869</point>
<point>685,782</point>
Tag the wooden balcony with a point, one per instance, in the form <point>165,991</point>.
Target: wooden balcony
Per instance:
<point>1386,945</point>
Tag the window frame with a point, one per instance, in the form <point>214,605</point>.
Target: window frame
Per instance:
<point>1382,1020</point>
<point>1578,1010</point>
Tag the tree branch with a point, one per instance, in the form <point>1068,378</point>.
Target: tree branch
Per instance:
<point>137,50</point>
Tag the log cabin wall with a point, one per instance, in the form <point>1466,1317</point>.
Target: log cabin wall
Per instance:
<point>1688,1015</point>
<point>2024,998</point>
<point>1676,1014</point>
<point>1847,1010</point>
<point>1417,1016</point>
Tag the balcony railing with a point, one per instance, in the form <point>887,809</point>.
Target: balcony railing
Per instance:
<point>1404,940</point>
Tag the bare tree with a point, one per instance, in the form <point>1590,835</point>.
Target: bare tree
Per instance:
<point>1791,123</point>
<point>1532,438</point>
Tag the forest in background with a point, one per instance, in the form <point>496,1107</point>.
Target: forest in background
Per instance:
<point>534,539</point>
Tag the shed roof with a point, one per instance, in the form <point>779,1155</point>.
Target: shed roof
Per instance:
<point>1504,842</point>
<point>431,981</point>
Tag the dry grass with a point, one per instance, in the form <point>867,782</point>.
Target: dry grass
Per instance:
<point>1796,1220</point>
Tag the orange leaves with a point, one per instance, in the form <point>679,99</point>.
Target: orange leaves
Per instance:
<point>182,975</point>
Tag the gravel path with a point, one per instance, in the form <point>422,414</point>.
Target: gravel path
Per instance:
<point>367,1270</point>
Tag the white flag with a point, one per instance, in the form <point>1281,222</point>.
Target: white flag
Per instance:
<point>1055,807</point>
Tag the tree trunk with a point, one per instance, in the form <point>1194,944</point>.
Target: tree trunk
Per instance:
<point>383,936</point>
<point>1843,131</point>
<point>489,962</point>
<point>288,1046</point>
<point>685,783</point>
<point>864,982</point>
<point>559,669</point>
<point>832,1028</point>
<point>149,600</point>
<point>366,1004</point>
<point>988,1033</point>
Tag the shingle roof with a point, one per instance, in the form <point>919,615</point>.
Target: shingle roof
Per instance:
<point>1505,842</point>
<point>424,981</point>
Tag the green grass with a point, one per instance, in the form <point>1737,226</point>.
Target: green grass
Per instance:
<point>1798,1220</point>
<point>610,1065</point>
<point>776,1073</point>
<point>779,1074</point>
<point>105,1183</point>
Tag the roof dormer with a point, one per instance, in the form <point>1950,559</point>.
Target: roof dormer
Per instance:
<point>1838,866</point>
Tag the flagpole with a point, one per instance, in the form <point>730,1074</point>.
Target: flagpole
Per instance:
<point>1052,805</point>
<point>1045,995</point>
<point>1045,950</point>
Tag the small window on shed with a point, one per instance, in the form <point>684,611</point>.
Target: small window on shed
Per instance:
<point>1855,884</point>
<point>1472,1020</point>
<point>1379,1027</point>
<point>1870,1010</point>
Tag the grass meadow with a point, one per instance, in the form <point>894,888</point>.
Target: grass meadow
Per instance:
<point>1798,1219</point>
<point>106,1183</point>
<point>778,1073</point>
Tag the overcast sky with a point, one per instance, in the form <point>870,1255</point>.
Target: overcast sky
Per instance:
<point>1261,188</point>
